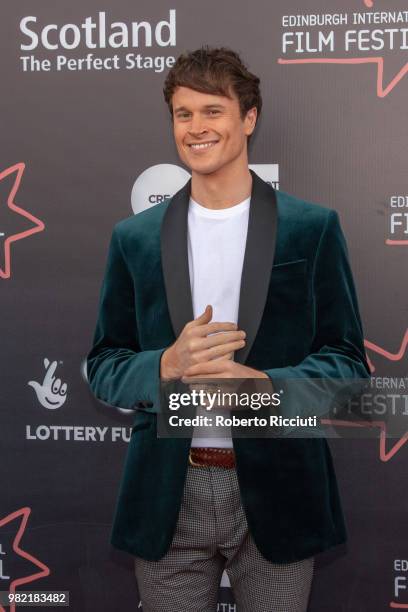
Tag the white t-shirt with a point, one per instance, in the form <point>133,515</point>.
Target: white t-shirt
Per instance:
<point>216,248</point>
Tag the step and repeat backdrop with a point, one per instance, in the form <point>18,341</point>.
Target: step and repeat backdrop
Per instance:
<point>86,140</point>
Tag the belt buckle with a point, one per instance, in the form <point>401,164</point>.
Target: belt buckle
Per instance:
<point>191,462</point>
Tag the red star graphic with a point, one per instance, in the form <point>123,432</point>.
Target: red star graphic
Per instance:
<point>45,571</point>
<point>387,354</point>
<point>39,226</point>
<point>384,454</point>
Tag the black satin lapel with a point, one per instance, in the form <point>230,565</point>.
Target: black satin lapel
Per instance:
<point>174,255</point>
<point>258,261</point>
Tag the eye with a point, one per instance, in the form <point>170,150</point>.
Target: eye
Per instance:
<point>213,112</point>
<point>56,385</point>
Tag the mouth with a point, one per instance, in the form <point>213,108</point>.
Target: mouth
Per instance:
<point>202,146</point>
<point>50,401</point>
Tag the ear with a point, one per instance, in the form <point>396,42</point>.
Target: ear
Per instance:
<point>250,121</point>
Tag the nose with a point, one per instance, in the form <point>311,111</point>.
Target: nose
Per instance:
<point>197,126</point>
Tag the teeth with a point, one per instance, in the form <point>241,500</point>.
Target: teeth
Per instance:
<point>202,145</point>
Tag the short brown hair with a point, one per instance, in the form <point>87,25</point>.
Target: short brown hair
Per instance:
<point>215,71</point>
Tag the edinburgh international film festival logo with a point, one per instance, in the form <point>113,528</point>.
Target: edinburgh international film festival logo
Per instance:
<point>96,42</point>
<point>397,221</point>
<point>375,35</point>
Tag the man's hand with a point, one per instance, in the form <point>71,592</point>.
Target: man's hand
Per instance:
<point>221,368</point>
<point>195,346</point>
<point>227,370</point>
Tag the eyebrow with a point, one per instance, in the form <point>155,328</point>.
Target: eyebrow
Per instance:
<point>183,108</point>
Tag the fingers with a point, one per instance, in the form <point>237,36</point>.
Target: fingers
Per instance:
<point>204,327</point>
<point>203,318</point>
<point>219,339</point>
<point>228,356</point>
<point>49,376</point>
<point>215,328</point>
<point>219,351</point>
<point>204,340</point>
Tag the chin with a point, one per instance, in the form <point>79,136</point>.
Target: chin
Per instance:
<point>204,168</point>
<point>204,171</point>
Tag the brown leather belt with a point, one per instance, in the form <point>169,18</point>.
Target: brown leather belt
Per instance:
<point>221,457</point>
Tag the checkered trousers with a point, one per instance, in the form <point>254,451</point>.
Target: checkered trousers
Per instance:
<point>212,535</point>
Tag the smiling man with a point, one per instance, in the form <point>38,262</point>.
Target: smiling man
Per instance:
<point>227,253</point>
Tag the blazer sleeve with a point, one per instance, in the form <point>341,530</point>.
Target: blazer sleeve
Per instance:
<point>119,372</point>
<point>337,350</point>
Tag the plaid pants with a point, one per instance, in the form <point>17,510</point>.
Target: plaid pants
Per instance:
<point>212,536</point>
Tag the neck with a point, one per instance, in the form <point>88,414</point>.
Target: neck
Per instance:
<point>222,189</point>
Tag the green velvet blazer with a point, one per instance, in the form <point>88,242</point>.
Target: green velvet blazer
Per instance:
<point>299,308</point>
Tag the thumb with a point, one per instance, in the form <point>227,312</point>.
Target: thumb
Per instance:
<point>35,385</point>
<point>206,316</point>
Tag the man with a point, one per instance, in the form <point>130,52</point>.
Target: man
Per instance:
<point>227,253</point>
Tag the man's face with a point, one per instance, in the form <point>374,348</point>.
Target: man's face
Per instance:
<point>209,131</point>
